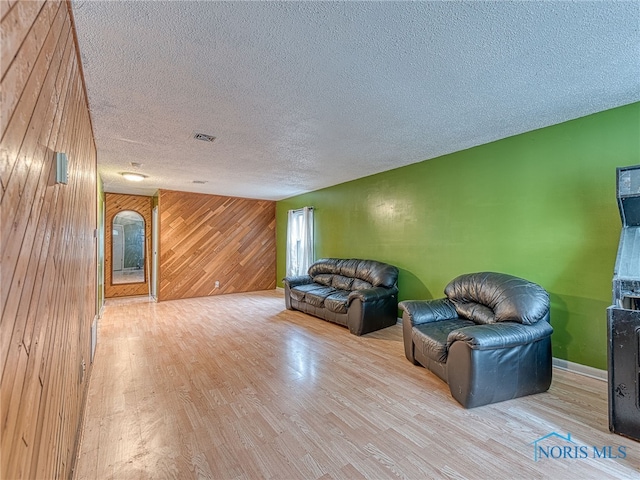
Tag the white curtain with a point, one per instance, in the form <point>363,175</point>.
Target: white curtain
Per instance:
<point>300,254</point>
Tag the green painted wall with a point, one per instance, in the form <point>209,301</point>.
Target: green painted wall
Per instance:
<point>540,205</point>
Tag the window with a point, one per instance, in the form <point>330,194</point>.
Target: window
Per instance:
<point>300,251</point>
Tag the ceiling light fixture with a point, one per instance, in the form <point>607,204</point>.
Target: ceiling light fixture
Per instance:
<point>133,177</point>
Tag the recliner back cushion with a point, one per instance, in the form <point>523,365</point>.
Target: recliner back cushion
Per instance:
<point>509,298</point>
<point>477,312</point>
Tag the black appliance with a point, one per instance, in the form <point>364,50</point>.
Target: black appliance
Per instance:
<point>623,317</point>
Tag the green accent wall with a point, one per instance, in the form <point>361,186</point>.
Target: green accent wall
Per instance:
<point>540,205</point>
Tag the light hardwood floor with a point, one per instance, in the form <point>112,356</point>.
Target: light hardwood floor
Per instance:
<point>235,386</point>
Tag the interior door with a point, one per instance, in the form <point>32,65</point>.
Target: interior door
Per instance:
<point>154,252</point>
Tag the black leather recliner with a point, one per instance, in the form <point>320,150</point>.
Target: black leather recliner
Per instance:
<point>489,339</point>
<point>359,294</point>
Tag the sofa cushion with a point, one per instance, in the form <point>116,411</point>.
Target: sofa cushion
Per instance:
<point>299,293</point>
<point>337,301</point>
<point>360,284</point>
<point>325,265</point>
<point>325,279</point>
<point>377,274</point>
<point>317,296</point>
<point>340,282</point>
<point>349,267</point>
<point>431,338</point>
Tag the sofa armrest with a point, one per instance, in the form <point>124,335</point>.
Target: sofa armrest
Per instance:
<point>500,335</point>
<point>418,312</point>
<point>498,361</point>
<point>371,309</point>
<point>372,294</point>
<point>296,281</point>
<point>291,282</point>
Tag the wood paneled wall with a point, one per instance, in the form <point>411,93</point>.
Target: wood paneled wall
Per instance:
<point>209,238</point>
<point>115,203</point>
<point>48,269</point>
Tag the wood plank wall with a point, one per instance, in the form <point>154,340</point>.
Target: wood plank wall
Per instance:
<point>115,203</point>
<point>48,269</point>
<point>209,238</point>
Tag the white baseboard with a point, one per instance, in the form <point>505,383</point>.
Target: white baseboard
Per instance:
<point>280,289</point>
<point>572,367</point>
<point>580,369</point>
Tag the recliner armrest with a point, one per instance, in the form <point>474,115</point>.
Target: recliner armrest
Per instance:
<point>427,311</point>
<point>370,294</point>
<point>296,281</point>
<point>500,335</point>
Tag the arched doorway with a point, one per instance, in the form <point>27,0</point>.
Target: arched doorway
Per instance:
<point>127,244</point>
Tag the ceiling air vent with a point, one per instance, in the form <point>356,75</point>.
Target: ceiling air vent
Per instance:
<point>204,137</point>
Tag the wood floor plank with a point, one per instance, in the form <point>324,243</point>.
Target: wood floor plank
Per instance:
<point>235,386</point>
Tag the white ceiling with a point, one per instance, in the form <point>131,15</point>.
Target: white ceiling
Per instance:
<point>304,95</point>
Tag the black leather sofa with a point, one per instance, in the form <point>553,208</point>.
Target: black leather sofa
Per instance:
<point>489,339</point>
<point>359,294</point>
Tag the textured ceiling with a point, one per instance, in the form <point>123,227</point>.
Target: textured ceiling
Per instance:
<point>304,95</point>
